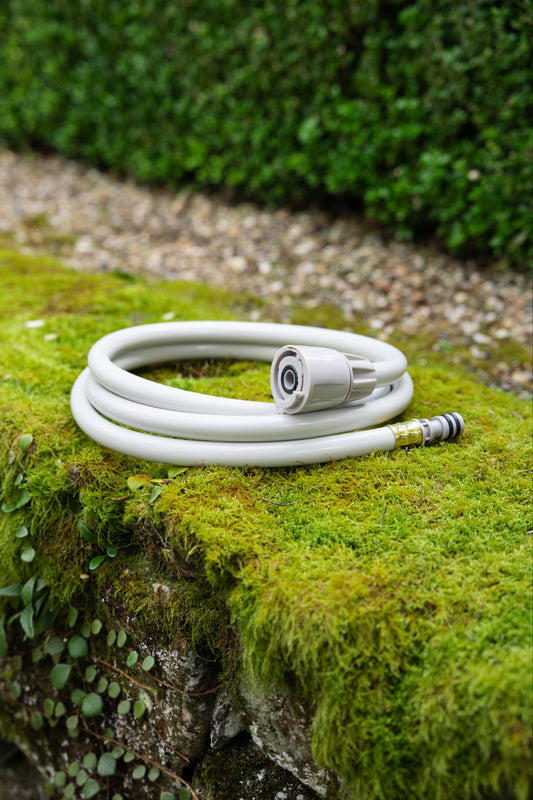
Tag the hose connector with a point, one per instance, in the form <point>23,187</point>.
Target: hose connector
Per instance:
<point>425,431</point>
<point>312,378</point>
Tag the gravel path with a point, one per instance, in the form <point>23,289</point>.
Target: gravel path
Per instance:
<point>99,222</point>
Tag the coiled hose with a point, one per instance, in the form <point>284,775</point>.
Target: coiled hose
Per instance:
<point>175,426</point>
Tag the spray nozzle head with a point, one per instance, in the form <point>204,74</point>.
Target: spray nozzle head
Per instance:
<point>314,378</point>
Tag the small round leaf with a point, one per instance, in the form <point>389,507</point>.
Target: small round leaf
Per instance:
<point>148,663</point>
<point>154,773</point>
<point>60,709</point>
<point>77,696</point>
<point>113,690</point>
<point>36,720</point>
<point>81,777</point>
<point>77,646</point>
<point>139,772</point>
<point>92,705</point>
<point>72,723</point>
<point>60,779</point>
<point>28,555</point>
<point>121,638</point>
<point>132,658</point>
<point>90,674</point>
<point>54,646</point>
<point>16,690</point>
<point>124,707</point>
<point>107,765</point>
<point>72,616</point>
<point>90,760</point>
<point>60,675</point>
<point>138,709</point>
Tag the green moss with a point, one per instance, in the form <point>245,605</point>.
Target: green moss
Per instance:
<point>390,590</point>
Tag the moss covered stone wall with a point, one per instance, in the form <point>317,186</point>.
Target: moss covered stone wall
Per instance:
<point>386,598</point>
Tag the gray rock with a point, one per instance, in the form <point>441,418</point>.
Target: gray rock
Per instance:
<point>226,722</point>
<point>279,726</point>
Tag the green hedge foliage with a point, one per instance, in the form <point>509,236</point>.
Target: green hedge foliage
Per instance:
<point>420,111</point>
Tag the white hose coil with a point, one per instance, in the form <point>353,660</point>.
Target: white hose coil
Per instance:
<point>188,428</point>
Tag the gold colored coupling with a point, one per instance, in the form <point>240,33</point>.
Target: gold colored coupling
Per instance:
<point>425,431</point>
<point>407,433</point>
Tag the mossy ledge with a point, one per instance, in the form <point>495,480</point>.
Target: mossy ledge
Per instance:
<point>391,593</point>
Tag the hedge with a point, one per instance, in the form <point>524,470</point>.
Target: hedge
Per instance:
<point>417,111</point>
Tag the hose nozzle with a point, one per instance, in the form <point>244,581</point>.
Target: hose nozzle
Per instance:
<point>425,431</point>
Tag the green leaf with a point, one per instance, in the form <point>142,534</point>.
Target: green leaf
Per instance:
<point>107,765</point>
<point>3,639</point>
<point>138,709</point>
<point>37,654</point>
<point>23,498</point>
<point>11,591</point>
<point>72,723</point>
<point>167,796</point>
<point>16,690</point>
<point>136,481</point>
<point>81,777</point>
<point>111,551</point>
<point>36,720</point>
<point>96,626</point>
<point>102,684</point>
<point>26,621</point>
<point>77,646</point>
<point>60,675</point>
<point>90,760</point>
<point>184,794</point>
<point>72,616</point>
<point>95,562</point>
<point>111,638</point>
<point>173,472</point>
<point>77,695</point>
<point>28,555</point>
<point>22,532</point>
<point>54,646</point>
<point>60,709</point>
<point>86,533</point>
<point>73,769</point>
<point>85,629</point>
<point>48,707</point>
<point>26,593</point>
<point>60,779</point>
<point>25,440</point>
<point>124,707</point>
<point>139,772</point>
<point>154,773</point>
<point>132,658</point>
<point>154,494</point>
<point>117,752</point>
<point>148,663</point>
<point>92,705</point>
<point>69,791</point>
<point>113,690</point>
<point>91,788</point>
<point>121,638</point>
<point>129,756</point>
